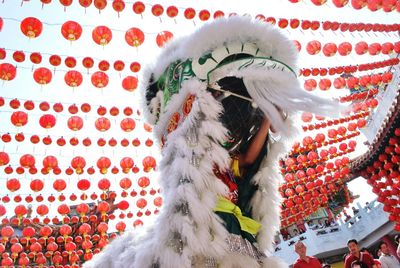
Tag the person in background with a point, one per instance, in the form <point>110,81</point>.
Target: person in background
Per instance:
<point>376,261</point>
<point>356,264</point>
<point>305,261</point>
<point>387,260</point>
<point>355,255</point>
<point>397,240</point>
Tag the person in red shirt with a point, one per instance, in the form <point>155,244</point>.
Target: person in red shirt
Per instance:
<point>305,261</point>
<point>355,255</point>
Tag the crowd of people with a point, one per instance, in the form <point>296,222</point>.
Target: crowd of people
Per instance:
<point>355,258</point>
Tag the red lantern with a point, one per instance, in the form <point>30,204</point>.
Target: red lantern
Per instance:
<point>172,11</point>
<point>36,58</point>
<point>100,4</point>
<point>19,118</point>
<point>13,185</point>
<point>163,37</point>
<point>104,65</point>
<point>340,3</point>
<point>329,49</point>
<point>149,163</point>
<point>50,162</point>
<point>73,78</point>
<point>55,60</point>
<point>318,2</point>
<point>361,48</point>
<point>71,30</point>
<point>7,71</point>
<point>78,163</point>
<point>119,65</point>
<point>325,84</point>
<point>339,83</point>
<point>75,123</point>
<point>102,35</point>
<point>204,15</point>
<point>126,164</point>
<point>134,37</point>
<point>310,84</point>
<point>102,124</point>
<point>3,53</point>
<point>189,13</point>
<point>130,83</point>
<point>313,47</point>
<point>138,7</point>
<point>99,79</point>
<point>27,161</point>
<point>135,67</point>
<point>118,6</point>
<point>103,163</point>
<point>19,56</point>
<point>374,49</point>
<point>127,124</point>
<point>36,185</point>
<point>42,76</point>
<point>31,27</point>
<point>42,210</point>
<point>157,10</point>
<point>306,117</point>
<point>141,203</point>
<point>47,121</point>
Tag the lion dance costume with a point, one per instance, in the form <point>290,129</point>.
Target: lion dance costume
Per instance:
<point>206,96</point>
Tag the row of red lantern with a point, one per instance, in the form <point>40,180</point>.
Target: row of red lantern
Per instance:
<point>74,141</point>
<point>27,161</point>
<point>351,82</point>
<point>70,62</point>
<point>72,109</point>
<point>367,95</point>
<point>71,30</point>
<point>372,5</point>
<point>58,186</point>
<point>73,78</point>
<point>308,117</point>
<point>330,49</point>
<point>158,10</point>
<point>361,123</point>
<point>74,123</point>
<point>384,177</point>
<point>348,69</point>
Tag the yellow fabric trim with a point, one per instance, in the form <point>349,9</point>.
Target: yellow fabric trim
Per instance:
<point>246,224</point>
<point>235,167</point>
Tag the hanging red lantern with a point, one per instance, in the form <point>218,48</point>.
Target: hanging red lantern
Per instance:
<point>149,163</point>
<point>103,207</point>
<point>103,163</point>
<point>71,30</point>
<point>85,3</point>
<point>47,121</point>
<point>27,161</point>
<point>87,62</point>
<point>104,65</point>
<point>102,124</point>
<point>70,62</point>
<point>99,79</point>
<point>31,27</point>
<point>325,84</point>
<point>78,163</point>
<point>345,48</point>
<point>118,6</point>
<point>128,124</point>
<point>313,47</point>
<point>329,49</point>
<point>134,37</point>
<point>119,65</point>
<point>44,106</point>
<point>35,57</point>
<point>19,56</point>
<point>75,123</point>
<point>42,210</point>
<point>361,48</point>
<point>358,4</point>
<point>102,35</point>
<point>73,78</point>
<point>387,48</point>
<point>19,118</point>
<point>340,3</point>
<point>100,4</point>
<point>204,15</point>
<point>36,185</point>
<point>172,11</point>
<point>163,37</point>
<point>135,67</point>
<point>189,13</point>
<point>126,164</point>
<point>130,83</point>
<point>42,76</point>
<point>66,3</point>
<point>141,203</point>
<point>318,2</point>
<point>50,162</point>
<point>13,185</point>
<point>55,60</point>
<point>3,53</point>
<point>310,84</point>
<point>306,117</point>
<point>374,49</point>
<point>157,10</point>
<point>83,184</point>
<point>138,7</point>
<point>7,71</point>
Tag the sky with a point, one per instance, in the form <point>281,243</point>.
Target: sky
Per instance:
<point>51,42</point>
